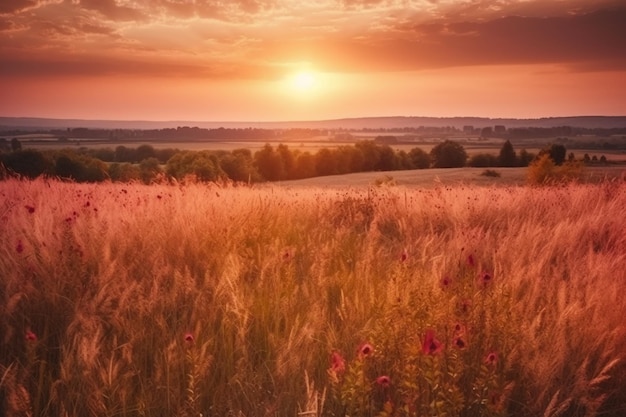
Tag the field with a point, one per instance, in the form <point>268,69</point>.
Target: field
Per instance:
<point>454,299</point>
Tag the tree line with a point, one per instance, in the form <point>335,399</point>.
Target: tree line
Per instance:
<point>270,163</point>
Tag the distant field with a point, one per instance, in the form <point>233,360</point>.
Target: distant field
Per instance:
<point>428,178</point>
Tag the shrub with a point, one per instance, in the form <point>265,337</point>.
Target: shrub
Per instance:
<point>543,170</point>
<point>490,173</point>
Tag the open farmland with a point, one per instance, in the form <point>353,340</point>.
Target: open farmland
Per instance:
<point>132,300</point>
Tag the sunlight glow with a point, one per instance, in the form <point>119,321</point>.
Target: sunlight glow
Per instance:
<point>303,81</point>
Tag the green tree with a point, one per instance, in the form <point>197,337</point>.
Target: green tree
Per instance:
<point>29,163</point>
<point>483,160</point>
<point>448,154</point>
<point>288,161</point>
<point>239,165</point>
<point>305,165</point>
<point>269,163</point>
<point>419,158</point>
<point>507,156</point>
<point>325,162</point>
<point>149,169</point>
<point>525,158</point>
<point>144,152</point>
<point>387,159</point>
<point>123,172</point>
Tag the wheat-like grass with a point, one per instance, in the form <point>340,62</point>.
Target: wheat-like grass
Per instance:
<point>102,285</point>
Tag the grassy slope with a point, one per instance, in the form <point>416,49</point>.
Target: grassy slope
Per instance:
<point>111,278</point>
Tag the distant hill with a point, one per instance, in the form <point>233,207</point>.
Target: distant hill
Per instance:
<point>590,122</point>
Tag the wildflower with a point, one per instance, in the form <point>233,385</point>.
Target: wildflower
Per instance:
<point>337,363</point>
<point>459,329</point>
<point>383,381</point>
<point>30,336</point>
<point>30,209</point>
<point>365,350</point>
<point>404,256</point>
<point>19,247</point>
<point>470,261</point>
<point>431,345</point>
<point>459,343</point>
<point>189,338</point>
<point>445,283</point>
<point>485,279</point>
<point>491,358</point>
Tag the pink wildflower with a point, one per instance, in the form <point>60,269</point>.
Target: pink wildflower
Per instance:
<point>485,279</point>
<point>337,363</point>
<point>19,247</point>
<point>470,261</point>
<point>459,343</point>
<point>383,381</point>
<point>404,256</point>
<point>30,209</point>
<point>365,350</point>
<point>189,338</point>
<point>30,336</point>
<point>491,358</point>
<point>431,345</point>
<point>445,282</point>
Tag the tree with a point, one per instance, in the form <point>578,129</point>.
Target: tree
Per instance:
<point>507,156</point>
<point>144,152</point>
<point>387,160</point>
<point>238,165</point>
<point>557,152</point>
<point>325,162</point>
<point>525,158</point>
<point>269,163</point>
<point>29,163</point>
<point>448,154</point>
<point>149,169</point>
<point>288,161</point>
<point>419,158</point>
<point>483,160</point>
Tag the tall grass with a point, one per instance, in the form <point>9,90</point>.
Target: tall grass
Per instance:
<point>133,300</point>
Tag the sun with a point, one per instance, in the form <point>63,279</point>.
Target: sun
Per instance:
<point>303,81</point>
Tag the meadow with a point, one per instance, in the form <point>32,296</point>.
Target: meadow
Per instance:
<point>297,300</point>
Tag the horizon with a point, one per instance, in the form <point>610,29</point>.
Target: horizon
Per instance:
<point>268,61</point>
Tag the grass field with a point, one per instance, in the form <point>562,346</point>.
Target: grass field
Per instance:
<point>285,300</point>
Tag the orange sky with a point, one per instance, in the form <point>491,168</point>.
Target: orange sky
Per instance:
<point>213,60</point>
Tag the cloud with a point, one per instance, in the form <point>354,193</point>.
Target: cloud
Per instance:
<point>260,38</point>
<point>13,6</point>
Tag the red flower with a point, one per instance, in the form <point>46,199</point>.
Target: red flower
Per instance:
<point>459,343</point>
<point>491,358</point>
<point>365,350</point>
<point>445,282</point>
<point>383,381</point>
<point>485,279</point>
<point>188,338</point>
<point>30,336</point>
<point>30,209</point>
<point>431,345</point>
<point>404,256</point>
<point>470,261</point>
<point>19,247</point>
<point>337,363</point>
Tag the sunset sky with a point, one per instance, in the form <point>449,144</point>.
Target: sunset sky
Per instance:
<point>275,60</point>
